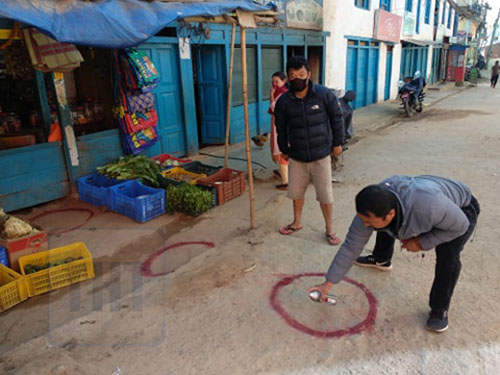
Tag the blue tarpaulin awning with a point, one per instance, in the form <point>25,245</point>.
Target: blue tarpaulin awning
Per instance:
<point>111,23</point>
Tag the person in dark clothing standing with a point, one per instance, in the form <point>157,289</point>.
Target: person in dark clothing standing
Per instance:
<point>423,212</point>
<point>310,128</point>
<point>495,70</point>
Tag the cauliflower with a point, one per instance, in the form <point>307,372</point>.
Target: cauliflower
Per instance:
<point>14,228</point>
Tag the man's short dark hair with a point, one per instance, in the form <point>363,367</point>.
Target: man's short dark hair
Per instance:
<point>377,199</point>
<point>296,63</point>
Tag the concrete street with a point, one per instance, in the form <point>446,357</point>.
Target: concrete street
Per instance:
<point>237,303</point>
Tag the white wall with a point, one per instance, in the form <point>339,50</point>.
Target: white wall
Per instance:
<point>396,67</point>
<point>382,61</point>
<point>426,32</point>
<point>342,18</point>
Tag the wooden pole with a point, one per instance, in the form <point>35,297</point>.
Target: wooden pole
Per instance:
<point>229,93</point>
<point>247,127</point>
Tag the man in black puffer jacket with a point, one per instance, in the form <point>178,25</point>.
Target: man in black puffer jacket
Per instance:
<point>310,127</point>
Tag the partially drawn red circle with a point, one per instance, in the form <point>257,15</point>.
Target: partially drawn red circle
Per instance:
<point>74,209</point>
<point>364,325</point>
<point>146,265</point>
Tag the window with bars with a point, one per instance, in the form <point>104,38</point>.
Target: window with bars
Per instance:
<point>363,4</point>
<point>436,12</point>
<point>272,62</point>
<point>385,5</point>
<point>251,73</point>
<point>409,5</point>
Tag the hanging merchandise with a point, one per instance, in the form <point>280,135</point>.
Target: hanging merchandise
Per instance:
<point>140,72</point>
<point>135,78</point>
<point>49,55</point>
<point>17,61</point>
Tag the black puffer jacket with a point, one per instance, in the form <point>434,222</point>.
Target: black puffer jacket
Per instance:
<point>310,127</point>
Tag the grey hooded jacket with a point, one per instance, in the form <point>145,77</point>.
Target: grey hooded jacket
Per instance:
<point>431,209</point>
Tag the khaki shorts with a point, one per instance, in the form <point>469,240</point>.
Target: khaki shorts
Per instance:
<point>318,172</point>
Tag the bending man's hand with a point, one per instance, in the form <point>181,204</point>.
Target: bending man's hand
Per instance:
<point>412,244</point>
<point>324,289</point>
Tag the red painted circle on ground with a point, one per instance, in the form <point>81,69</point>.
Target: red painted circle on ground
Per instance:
<point>146,265</point>
<point>59,210</point>
<point>364,325</point>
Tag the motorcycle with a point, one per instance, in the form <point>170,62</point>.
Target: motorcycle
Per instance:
<point>412,95</point>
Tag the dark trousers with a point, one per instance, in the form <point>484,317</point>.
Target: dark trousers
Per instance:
<point>494,80</point>
<point>448,263</point>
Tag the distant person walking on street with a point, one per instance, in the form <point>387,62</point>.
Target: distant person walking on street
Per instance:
<point>310,128</point>
<point>495,70</point>
<point>278,88</point>
<point>423,212</point>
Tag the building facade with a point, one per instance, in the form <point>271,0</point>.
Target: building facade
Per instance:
<point>364,55</point>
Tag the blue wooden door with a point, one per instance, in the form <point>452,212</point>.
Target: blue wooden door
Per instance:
<point>361,78</point>
<point>371,90</point>
<point>413,59</point>
<point>168,98</point>
<point>351,69</point>
<point>362,71</point>
<point>211,91</point>
<point>388,73</point>
<point>436,62</point>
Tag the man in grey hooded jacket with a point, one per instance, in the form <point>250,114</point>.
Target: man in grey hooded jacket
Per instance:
<point>423,212</point>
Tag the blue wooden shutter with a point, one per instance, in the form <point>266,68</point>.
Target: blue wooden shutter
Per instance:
<point>427,11</point>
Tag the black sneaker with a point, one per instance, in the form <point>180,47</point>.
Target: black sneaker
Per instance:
<point>438,321</point>
<point>369,261</point>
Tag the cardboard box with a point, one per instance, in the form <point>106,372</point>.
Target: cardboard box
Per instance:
<point>30,244</point>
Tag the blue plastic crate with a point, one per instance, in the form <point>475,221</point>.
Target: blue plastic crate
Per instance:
<point>94,189</point>
<point>137,201</point>
<point>4,259</point>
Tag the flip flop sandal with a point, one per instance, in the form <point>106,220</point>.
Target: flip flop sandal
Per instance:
<point>333,239</point>
<point>288,229</point>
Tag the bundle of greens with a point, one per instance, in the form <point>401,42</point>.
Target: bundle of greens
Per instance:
<point>189,199</point>
<point>133,168</point>
<point>32,268</point>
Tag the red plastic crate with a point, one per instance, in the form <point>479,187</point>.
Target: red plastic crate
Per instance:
<point>229,183</point>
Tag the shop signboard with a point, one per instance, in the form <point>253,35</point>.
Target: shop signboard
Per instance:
<point>304,14</point>
<point>387,26</point>
<point>409,24</point>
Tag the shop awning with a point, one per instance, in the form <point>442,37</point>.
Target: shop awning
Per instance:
<point>111,23</point>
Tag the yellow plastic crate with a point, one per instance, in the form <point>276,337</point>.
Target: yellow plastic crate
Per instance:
<point>13,288</point>
<point>181,175</point>
<point>57,276</point>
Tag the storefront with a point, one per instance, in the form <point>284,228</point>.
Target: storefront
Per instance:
<point>192,59</point>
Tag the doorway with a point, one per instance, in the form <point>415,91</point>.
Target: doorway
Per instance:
<point>209,81</point>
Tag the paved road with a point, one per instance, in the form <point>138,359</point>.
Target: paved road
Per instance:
<point>235,309</point>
